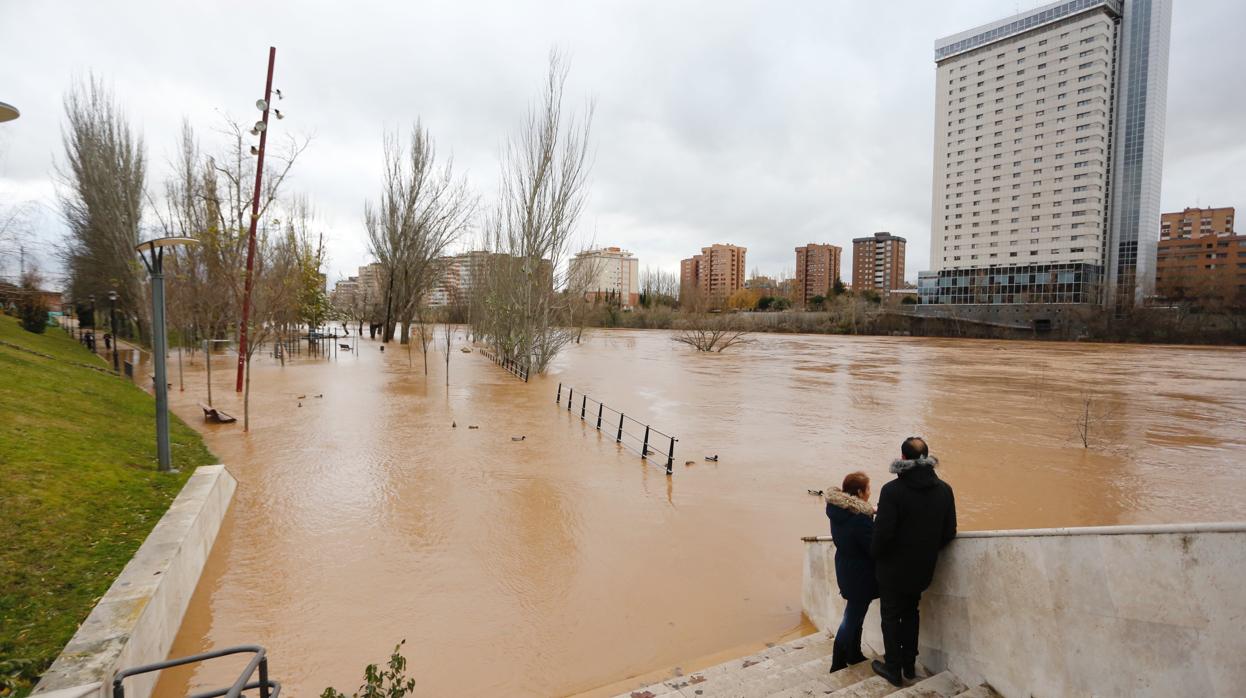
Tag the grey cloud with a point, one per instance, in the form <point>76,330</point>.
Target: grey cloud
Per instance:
<point>766,124</point>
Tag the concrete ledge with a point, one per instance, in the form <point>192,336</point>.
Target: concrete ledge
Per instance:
<point>1222,527</point>
<point>1109,611</point>
<point>136,621</point>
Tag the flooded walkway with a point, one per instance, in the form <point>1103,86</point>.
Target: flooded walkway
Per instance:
<point>560,563</point>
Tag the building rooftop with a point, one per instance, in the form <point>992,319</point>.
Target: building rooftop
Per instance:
<point>1017,24</point>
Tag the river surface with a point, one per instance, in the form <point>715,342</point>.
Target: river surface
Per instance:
<point>562,563</point>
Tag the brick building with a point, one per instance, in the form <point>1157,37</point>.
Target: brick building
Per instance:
<point>817,270</point>
<point>1200,256</point>
<point>716,273</point>
<point>878,263</point>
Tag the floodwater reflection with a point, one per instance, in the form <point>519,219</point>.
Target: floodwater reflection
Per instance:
<point>562,562</point>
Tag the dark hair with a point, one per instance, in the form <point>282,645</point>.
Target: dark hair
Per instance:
<point>914,447</point>
<point>856,483</point>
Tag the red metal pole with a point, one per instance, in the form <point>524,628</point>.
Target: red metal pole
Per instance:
<point>255,215</point>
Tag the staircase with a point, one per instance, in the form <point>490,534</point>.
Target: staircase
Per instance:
<point>802,668</point>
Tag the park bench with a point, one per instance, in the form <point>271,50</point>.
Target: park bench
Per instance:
<point>211,414</point>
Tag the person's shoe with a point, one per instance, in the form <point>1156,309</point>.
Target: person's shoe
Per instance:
<point>910,672</point>
<point>893,677</point>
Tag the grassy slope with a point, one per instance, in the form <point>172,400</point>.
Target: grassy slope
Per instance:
<point>79,489</point>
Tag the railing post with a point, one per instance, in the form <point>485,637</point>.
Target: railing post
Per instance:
<point>583,407</point>
<point>644,450</point>
<point>264,693</point>
<point>670,457</point>
<point>559,398</point>
<point>570,391</point>
<point>619,437</point>
<point>599,408</point>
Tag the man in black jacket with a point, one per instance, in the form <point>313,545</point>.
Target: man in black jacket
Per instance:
<point>916,518</point>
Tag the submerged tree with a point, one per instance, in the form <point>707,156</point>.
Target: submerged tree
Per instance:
<point>422,210</point>
<point>543,188</point>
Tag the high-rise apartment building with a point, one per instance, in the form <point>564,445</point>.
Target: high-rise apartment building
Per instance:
<point>460,274</point>
<point>817,270</point>
<point>878,263</point>
<point>1200,256</point>
<point>371,281</point>
<point>607,273</point>
<point>1049,129</point>
<point>715,273</point>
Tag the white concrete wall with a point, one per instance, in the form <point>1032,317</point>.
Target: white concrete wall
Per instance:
<point>1105,611</point>
<point>136,621</point>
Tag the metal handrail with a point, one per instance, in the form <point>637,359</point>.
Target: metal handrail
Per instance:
<point>645,450</point>
<point>259,660</point>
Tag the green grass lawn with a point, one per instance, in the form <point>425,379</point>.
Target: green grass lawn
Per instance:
<point>79,491</point>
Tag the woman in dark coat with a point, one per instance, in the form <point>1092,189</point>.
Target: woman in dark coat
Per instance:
<point>852,528</point>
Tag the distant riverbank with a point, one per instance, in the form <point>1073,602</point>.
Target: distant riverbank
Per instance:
<point>851,316</point>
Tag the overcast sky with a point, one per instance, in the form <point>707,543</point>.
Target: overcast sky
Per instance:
<point>764,124</point>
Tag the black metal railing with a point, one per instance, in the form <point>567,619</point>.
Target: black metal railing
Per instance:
<point>517,368</point>
<point>627,431</point>
<point>259,661</point>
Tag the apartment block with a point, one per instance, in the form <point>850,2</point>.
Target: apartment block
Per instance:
<point>608,273</point>
<point>460,274</point>
<point>878,263</point>
<point>1048,152</point>
<point>1200,256</point>
<point>716,273</point>
<point>817,270</point>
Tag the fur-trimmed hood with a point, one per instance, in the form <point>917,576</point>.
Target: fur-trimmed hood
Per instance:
<point>854,505</point>
<point>899,466</point>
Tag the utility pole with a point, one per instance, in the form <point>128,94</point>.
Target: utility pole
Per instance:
<point>262,127</point>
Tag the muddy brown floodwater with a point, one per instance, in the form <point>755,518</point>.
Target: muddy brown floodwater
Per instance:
<point>562,563</point>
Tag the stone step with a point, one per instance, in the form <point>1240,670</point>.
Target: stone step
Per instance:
<point>983,691</point>
<point>726,679</point>
<point>872,687</point>
<point>944,685</point>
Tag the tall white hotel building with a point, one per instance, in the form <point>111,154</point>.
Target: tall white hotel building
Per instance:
<point>1049,141</point>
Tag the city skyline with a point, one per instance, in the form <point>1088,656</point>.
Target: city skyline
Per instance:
<point>720,135</point>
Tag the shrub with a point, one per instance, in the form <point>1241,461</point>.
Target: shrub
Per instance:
<point>30,307</point>
<point>389,683</point>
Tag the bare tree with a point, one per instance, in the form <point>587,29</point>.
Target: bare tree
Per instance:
<point>705,331</point>
<point>208,197</point>
<point>101,197</point>
<point>658,287</point>
<point>1086,411</point>
<point>279,283</point>
<point>422,210</point>
<point>543,188</point>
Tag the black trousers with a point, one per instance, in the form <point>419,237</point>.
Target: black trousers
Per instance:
<point>900,624</point>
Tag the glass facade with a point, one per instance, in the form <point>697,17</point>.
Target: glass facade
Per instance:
<point>1039,283</point>
<point>1142,84</point>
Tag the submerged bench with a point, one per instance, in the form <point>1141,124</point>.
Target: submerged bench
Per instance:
<point>211,414</point>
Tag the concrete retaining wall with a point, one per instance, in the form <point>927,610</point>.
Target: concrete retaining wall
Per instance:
<point>1105,611</point>
<point>136,621</point>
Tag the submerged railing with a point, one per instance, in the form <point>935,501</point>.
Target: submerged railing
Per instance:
<point>516,368</point>
<point>645,445</point>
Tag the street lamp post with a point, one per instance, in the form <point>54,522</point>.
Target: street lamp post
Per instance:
<point>91,343</point>
<point>152,254</point>
<point>261,130</point>
<point>112,329</point>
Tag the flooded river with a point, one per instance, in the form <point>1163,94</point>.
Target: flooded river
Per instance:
<point>562,563</point>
